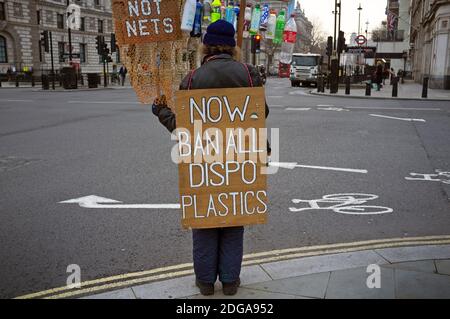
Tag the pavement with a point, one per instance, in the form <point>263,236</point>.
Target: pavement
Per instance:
<point>392,156</point>
<point>403,273</point>
<point>409,90</point>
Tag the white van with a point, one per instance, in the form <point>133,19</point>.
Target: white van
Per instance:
<point>305,67</point>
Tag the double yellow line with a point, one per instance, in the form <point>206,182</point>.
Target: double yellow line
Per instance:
<point>134,278</point>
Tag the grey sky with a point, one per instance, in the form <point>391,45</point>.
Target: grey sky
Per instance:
<point>373,11</point>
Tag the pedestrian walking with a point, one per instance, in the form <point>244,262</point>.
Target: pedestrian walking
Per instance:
<point>379,76</point>
<point>217,252</point>
<point>123,74</point>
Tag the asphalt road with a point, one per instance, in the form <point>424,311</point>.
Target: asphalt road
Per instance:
<point>56,146</point>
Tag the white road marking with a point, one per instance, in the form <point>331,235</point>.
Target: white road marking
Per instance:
<point>298,109</point>
<point>348,204</point>
<point>93,201</point>
<point>101,102</point>
<point>276,105</point>
<point>325,105</point>
<point>295,165</point>
<point>398,118</point>
<point>298,93</point>
<point>275,97</point>
<point>393,108</point>
<point>440,176</point>
<point>337,109</point>
<point>15,100</point>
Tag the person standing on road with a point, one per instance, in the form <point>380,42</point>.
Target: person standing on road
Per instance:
<point>217,252</point>
<point>123,74</point>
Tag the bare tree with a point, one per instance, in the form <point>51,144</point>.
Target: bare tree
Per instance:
<point>317,36</point>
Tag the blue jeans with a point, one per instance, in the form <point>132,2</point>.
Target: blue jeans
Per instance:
<point>218,252</point>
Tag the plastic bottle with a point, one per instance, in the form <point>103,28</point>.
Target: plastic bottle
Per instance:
<point>256,18</point>
<point>247,20</point>
<point>237,10</point>
<point>289,38</point>
<point>279,28</point>
<point>187,21</point>
<point>264,18</point>
<point>215,11</point>
<point>207,11</point>
<point>229,13</point>
<point>271,24</point>
<point>197,29</point>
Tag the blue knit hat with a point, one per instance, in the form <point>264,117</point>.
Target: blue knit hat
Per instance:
<point>220,32</point>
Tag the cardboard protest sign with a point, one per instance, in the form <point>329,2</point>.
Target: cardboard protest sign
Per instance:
<point>143,21</point>
<point>148,34</point>
<point>222,148</point>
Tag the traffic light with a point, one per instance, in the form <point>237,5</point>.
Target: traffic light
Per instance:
<point>330,46</point>
<point>256,44</point>
<point>113,43</point>
<point>341,42</point>
<point>99,44</point>
<point>44,40</point>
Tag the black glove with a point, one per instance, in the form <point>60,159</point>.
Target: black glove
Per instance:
<point>158,104</point>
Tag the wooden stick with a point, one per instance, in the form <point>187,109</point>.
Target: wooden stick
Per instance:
<point>240,30</point>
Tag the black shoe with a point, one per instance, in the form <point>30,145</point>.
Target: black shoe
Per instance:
<point>205,289</point>
<point>230,289</point>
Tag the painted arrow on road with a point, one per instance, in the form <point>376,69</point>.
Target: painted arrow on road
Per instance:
<point>94,201</point>
<point>398,118</point>
<point>296,165</point>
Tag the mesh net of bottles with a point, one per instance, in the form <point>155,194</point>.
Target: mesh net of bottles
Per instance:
<point>155,51</point>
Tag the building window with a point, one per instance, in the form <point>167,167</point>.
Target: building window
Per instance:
<point>60,21</point>
<point>97,2</point>
<point>83,52</point>
<point>38,17</point>
<point>2,11</point>
<point>18,11</point>
<point>61,47</point>
<point>83,24</point>
<point>3,53</point>
<point>100,26</point>
<point>444,24</point>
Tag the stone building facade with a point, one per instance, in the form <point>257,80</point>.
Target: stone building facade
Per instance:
<point>21,24</point>
<point>430,42</point>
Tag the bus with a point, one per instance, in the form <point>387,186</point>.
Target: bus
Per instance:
<point>305,68</point>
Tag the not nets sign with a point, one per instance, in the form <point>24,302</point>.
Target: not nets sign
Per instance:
<point>144,21</point>
<point>222,149</point>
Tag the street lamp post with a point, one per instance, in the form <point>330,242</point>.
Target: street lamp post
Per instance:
<point>70,35</point>
<point>367,29</point>
<point>359,19</point>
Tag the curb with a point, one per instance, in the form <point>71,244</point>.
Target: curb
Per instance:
<point>263,266</point>
<point>379,97</point>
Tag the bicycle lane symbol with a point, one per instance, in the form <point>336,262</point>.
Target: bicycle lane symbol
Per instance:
<point>349,203</point>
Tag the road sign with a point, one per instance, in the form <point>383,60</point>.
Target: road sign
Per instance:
<point>361,40</point>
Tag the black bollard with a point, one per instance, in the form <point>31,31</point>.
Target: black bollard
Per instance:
<point>17,81</point>
<point>32,81</point>
<point>347,85</point>
<point>319,84</point>
<point>425,87</point>
<point>368,88</point>
<point>395,86</point>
